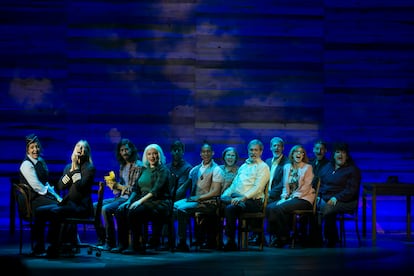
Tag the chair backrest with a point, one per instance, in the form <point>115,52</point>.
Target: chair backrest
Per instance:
<point>353,213</point>
<point>315,202</point>
<point>244,227</point>
<point>355,210</point>
<point>23,200</point>
<point>101,190</point>
<point>173,182</point>
<point>266,198</point>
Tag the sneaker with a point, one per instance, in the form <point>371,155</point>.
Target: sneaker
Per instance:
<point>106,247</point>
<point>254,239</point>
<point>100,243</point>
<point>279,243</point>
<point>273,241</point>
<point>128,251</point>
<point>162,247</point>
<point>182,247</point>
<point>38,251</point>
<point>118,249</point>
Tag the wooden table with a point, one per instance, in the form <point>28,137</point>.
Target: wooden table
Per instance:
<point>384,189</point>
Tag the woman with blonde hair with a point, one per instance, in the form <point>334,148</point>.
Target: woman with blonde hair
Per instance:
<point>150,200</point>
<point>77,179</point>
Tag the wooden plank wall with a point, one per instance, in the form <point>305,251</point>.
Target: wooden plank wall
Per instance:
<point>368,88</point>
<point>154,71</point>
<point>260,72</point>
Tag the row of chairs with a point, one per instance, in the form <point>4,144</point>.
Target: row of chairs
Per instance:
<point>22,194</point>
<point>22,198</point>
<point>310,220</point>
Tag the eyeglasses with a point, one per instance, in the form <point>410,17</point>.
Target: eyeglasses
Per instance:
<point>298,151</point>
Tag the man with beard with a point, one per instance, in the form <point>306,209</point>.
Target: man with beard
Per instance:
<point>246,192</point>
<point>275,163</point>
<point>129,171</point>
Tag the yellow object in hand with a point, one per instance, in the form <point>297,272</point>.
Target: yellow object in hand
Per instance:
<point>110,177</point>
<point>110,180</point>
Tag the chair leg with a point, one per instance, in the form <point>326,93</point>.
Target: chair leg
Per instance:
<point>294,229</point>
<point>197,230</point>
<point>239,236</point>
<point>21,239</point>
<point>357,233</point>
<point>262,240</point>
<point>171,236</point>
<point>341,240</point>
<point>193,234</point>
<point>190,231</point>
<point>220,242</point>
<point>342,233</point>
<point>244,241</point>
<point>31,237</point>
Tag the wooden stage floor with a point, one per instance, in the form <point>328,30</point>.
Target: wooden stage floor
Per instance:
<point>393,254</point>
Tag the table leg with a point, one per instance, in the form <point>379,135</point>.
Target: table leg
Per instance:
<point>374,217</point>
<point>408,217</point>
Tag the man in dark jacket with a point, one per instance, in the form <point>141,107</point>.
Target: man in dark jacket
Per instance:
<point>339,191</point>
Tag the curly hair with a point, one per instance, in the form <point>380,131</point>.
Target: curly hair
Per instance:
<point>133,148</point>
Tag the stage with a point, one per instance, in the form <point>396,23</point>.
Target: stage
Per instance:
<point>392,254</point>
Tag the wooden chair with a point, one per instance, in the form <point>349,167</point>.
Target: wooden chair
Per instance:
<point>22,199</point>
<point>13,204</point>
<point>310,215</point>
<point>342,218</point>
<point>350,216</point>
<point>200,218</point>
<point>94,220</point>
<point>245,227</point>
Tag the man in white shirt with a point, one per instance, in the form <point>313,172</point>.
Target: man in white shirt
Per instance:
<point>275,163</point>
<point>246,192</point>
